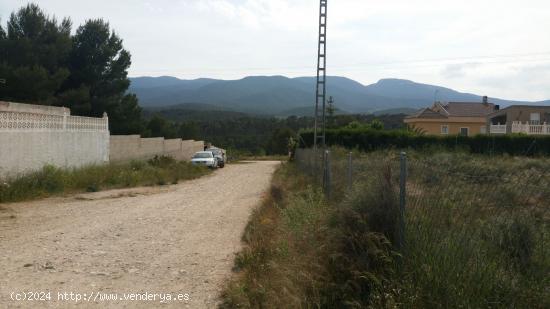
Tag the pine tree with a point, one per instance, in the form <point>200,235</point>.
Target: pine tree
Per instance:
<point>87,72</point>
<point>34,54</point>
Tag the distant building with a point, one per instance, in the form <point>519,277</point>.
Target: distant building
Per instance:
<point>453,118</point>
<point>527,119</point>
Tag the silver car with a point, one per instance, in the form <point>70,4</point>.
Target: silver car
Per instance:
<point>219,155</point>
<point>205,158</point>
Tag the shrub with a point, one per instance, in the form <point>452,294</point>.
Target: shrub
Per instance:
<point>51,180</point>
<point>365,226</point>
<point>161,161</point>
<point>368,139</point>
<point>515,237</point>
<point>476,231</point>
<point>378,203</point>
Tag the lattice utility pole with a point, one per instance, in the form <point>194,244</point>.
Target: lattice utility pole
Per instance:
<point>320,91</point>
<point>330,112</point>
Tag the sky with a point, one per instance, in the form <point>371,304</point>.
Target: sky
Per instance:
<point>495,48</point>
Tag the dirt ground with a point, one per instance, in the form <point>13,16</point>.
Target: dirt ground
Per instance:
<point>142,243</point>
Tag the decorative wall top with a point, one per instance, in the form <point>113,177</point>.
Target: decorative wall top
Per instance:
<point>22,121</point>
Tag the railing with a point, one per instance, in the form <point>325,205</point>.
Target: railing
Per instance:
<point>527,128</point>
<point>20,121</point>
<point>77,123</point>
<point>498,129</point>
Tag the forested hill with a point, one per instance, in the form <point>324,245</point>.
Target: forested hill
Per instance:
<point>282,96</point>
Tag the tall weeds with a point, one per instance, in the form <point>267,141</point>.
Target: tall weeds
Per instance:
<point>301,251</point>
<point>476,235</point>
<point>51,180</point>
<point>362,256</point>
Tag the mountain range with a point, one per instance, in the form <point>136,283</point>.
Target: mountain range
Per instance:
<point>283,96</point>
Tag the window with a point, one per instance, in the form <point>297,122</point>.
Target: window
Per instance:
<point>464,131</point>
<point>535,118</point>
<point>445,129</point>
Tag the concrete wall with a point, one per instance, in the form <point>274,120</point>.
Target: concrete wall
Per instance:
<point>32,136</point>
<point>22,152</point>
<point>133,147</point>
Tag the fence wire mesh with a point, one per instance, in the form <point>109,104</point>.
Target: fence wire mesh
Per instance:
<point>466,215</point>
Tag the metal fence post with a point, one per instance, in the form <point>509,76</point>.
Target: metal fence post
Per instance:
<point>402,197</point>
<point>314,166</point>
<point>350,171</point>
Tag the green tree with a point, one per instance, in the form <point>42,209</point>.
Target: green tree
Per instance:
<point>125,117</point>
<point>354,125</point>
<point>2,32</point>
<point>99,78</point>
<point>34,54</point>
<point>279,141</point>
<point>87,72</point>
<point>189,130</point>
<point>160,127</point>
<point>376,124</point>
<point>3,53</point>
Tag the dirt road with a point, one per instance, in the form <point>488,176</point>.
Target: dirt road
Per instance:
<point>178,240</point>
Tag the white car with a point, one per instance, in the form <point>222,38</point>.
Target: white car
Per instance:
<point>205,158</point>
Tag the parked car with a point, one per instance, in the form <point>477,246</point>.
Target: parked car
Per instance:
<point>205,158</point>
<point>218,153</point>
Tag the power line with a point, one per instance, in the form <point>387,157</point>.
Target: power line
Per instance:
<point>497,59</point>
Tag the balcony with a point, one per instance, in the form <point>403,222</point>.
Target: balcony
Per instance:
<point>519,127</point>
<point>527,128</point>
<point>498,129</point>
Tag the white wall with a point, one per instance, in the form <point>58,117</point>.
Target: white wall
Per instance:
<point>32,136</point>
<point>22,152</point>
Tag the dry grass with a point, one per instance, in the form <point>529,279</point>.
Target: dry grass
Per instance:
<point>279,264</point>
<point>302,252</point>
<point>476,235</point>
<point>55,181</point>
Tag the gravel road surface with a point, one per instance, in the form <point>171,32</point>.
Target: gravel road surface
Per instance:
<point>136,244</point>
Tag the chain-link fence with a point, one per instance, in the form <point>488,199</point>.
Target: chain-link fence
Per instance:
<point>483,219</point>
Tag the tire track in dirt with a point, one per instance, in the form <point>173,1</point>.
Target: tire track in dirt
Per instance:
<point>178,239</point>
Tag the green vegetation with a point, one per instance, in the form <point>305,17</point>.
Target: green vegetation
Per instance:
<point>281,260</point>
<point>477,232</point>
<point>476,235</point>
<point>372,138</point>
<point>249,135</point>
<point>43,63</point>
<point>52,181</point>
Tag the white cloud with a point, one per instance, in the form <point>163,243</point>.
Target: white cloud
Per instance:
<point>458,70</point>
<point>367,39</point>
